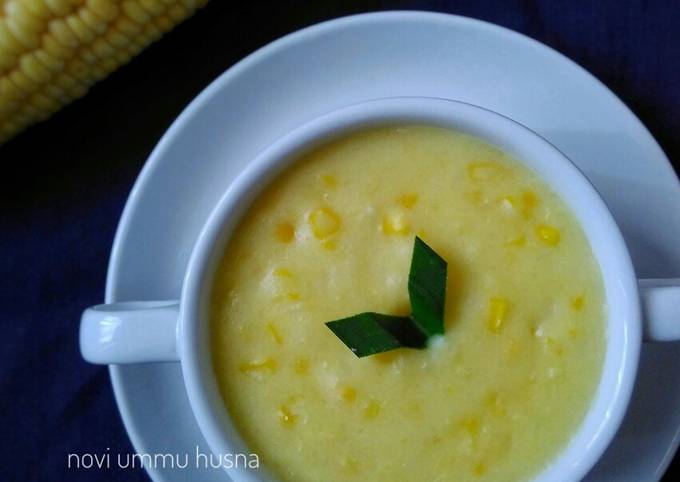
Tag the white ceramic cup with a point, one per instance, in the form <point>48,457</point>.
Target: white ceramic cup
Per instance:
<point>152,331</point>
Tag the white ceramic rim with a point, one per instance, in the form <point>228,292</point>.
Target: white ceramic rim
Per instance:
<point>222,82</point>
<point>624,319</point>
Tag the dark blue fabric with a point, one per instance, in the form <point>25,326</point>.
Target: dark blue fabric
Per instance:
<point>63,185</point>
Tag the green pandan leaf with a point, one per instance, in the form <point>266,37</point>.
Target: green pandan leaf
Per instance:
<point>370,333</point>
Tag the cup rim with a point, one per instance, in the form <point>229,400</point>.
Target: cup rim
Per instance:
<point>615,386</point>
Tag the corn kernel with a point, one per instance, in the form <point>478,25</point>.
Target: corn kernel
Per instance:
<point>577,303</point>
<point>329,181</point>
<point>177,12</point>
<point>43,103</point>
<point>294,296</point>
<point>30,39</point>
<point>65,82</point>
<point>7,59</point>
<point>286,417</point>
<point>135,12</point>
<point>529,202</point>
<point>105,9</point>
<point>483,171</point>
<point>395,223</point>
<point>56,48</point>
<point>274,332</point>
<point>324,222</point>
<point>328,244</point>
<point>154,7</point>
<point>548,234</point>
<point>96,24</point>
<point>348,394</point>
<point>498,312</point>
<point>268,364</point>
<point>80,70</point>
<point>479,469</point>
<point>110,63</point>
<point>31,67</point>
<point>385,357</point>
<point>143,38</point>
<point>78,90</point>
<point>37,8</point>
<point>372,408</point>
<point>301,366</point>
<point>89,57</point>
<point>22,82</point>
<point>122,57</point>
<point>285,232</point>
<point>151,31</point>
<point>26,18</point>
<point>103,49</point>
<point>127,27</point>
<point>54,64</point>
<point>29,109</point>
<point>283,273</point>
<point>470,425</point>
<point>80,28</point>
<point>9,94</point>
<point>61,32</point>
<point>59,7</point>
<point>164,22</point>
<point>56,92</point>
<point>133,48</point>
<point>408,200</point>
<point>8,42</point>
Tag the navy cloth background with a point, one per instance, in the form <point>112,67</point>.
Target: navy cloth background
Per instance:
<point>63,185</point>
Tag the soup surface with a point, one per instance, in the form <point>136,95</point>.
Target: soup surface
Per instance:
<point>495,399</point>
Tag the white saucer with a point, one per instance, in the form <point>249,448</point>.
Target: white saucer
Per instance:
<point>377,55</point>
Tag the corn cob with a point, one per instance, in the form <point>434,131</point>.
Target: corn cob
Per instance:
<point>53,51</point>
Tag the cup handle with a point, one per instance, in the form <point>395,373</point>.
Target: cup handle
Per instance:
<point>130,332</point>
<point>660,309</point>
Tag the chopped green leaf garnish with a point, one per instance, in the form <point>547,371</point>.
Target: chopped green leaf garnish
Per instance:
<point>370,333</point>
<point>427,289</point>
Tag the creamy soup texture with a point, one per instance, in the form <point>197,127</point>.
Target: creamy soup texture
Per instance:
<point>496,399</point>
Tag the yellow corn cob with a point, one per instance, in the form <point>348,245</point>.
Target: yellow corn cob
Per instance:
<point>52,51</point>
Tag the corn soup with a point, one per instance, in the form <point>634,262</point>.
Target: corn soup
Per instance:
<point>495,399</point>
